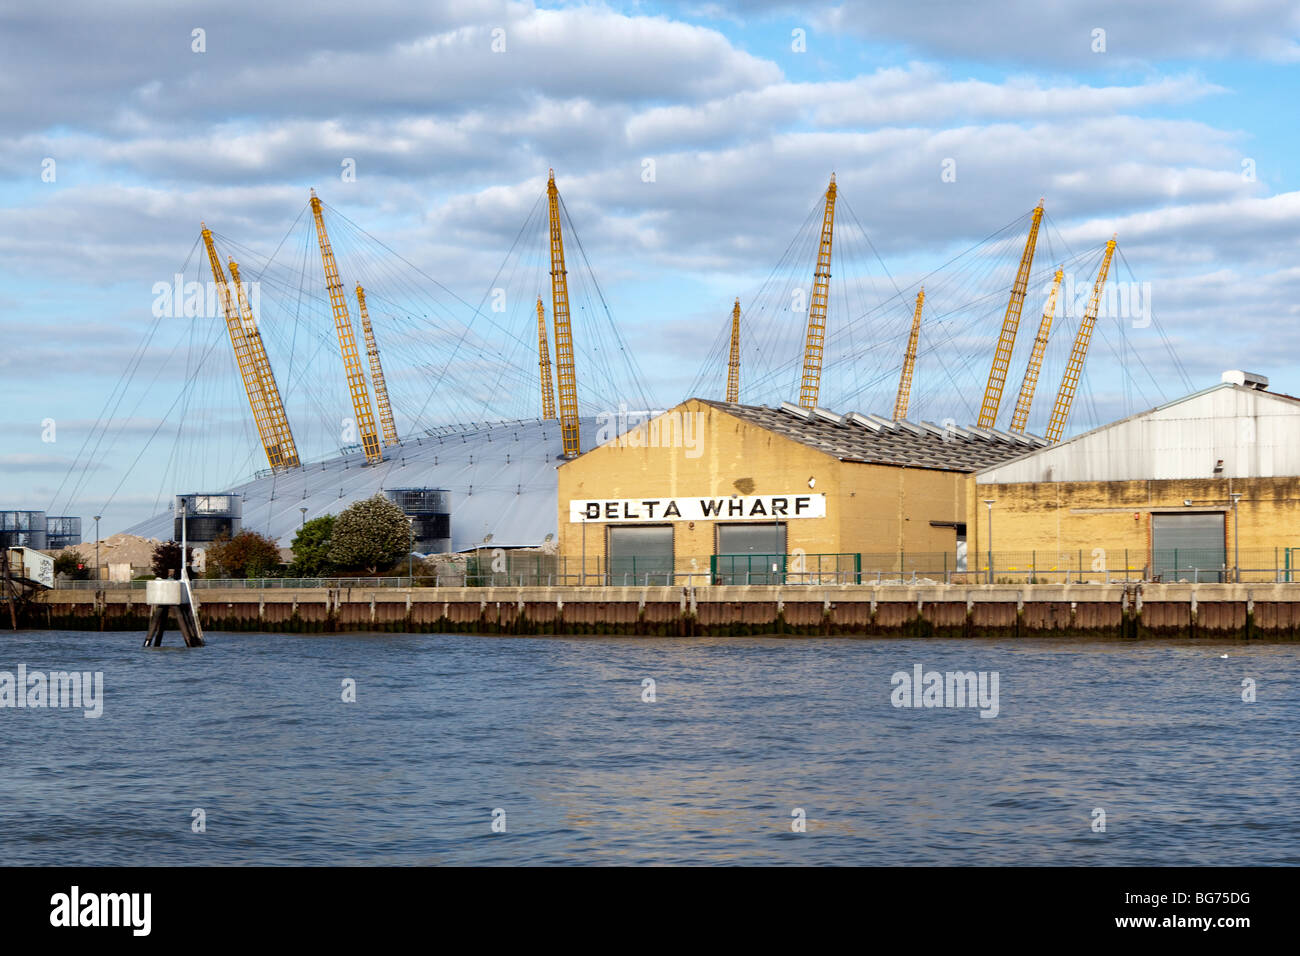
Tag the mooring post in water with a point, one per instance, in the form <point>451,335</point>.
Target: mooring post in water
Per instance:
<point>162,596</point>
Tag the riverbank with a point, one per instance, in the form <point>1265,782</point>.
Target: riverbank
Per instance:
<point>997,611</point>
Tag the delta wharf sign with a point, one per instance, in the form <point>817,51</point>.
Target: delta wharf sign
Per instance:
<point>733,508</point>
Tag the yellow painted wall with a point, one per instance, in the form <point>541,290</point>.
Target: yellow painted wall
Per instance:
<point>1069,517</point>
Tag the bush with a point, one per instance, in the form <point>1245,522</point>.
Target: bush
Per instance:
<point>311,548</point>
<point>71,564</point>
<point>167,559</point>
<point>369,535</point>
<point>246,555</point>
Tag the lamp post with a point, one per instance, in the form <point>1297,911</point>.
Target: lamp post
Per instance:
<point>184,541</point>
<point>304,517</point>
<point>1236,539</point>
<point>97,517</point>
<point>990,502</point>
<point>410,551</point>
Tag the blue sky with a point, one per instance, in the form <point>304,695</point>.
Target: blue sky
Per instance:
<point>1151,137</point>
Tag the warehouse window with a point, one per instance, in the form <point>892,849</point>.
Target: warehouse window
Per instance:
<point>641,554</point>
<point>750,553</point>
<point>1188,546</point>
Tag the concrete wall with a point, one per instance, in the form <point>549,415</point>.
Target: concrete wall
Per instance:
<point>1108,611</point>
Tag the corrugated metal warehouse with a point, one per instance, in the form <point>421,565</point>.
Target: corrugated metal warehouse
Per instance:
<point>1180,490</point>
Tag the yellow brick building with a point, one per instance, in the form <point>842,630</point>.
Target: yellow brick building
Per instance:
<point>748,494</point>
<point>1190,490</point>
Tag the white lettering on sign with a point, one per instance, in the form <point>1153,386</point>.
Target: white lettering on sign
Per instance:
<point>726,508</point>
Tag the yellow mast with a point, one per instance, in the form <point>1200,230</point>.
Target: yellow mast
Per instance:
<point>909,361</point>
<point>347,342</point>
<point>814,345</point>
<point>1074,369</point>
<point>1010,324</point>
<point>544,365</point>
<point>563,330</point>
<point>733,364</point>
<point>270,391</point>
<point>376,371</point>
<point>244,359</point>
<point>1021,415</point>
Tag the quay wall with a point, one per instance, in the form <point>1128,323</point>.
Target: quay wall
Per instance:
<point>1237,611</point>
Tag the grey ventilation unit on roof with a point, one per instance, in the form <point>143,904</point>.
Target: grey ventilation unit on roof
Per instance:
<point>797,410</point>
<point>884,422</point>
<point>1236,376</point>
<point>950,432</point>
<point>909,427</point>
<point>1010,436</point>
<point>960,432</point>
<point>827,415</point>
<point>857,418</point>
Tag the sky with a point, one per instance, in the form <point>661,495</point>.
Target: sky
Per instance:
<point>689,140</point>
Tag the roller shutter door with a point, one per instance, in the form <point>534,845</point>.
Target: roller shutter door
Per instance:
<point>750,553</point>
<point>1188,546</point>
<point>641,555</point>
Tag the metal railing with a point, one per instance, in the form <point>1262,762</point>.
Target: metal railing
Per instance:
<point>531,569</point>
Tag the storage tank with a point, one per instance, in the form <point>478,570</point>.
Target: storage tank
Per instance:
<point>430,512</point>
<point>208,517</point>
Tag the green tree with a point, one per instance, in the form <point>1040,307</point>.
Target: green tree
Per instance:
<point>369,535</point>
<point>246,555</point>
<point>167,559</point>
<point>311,548</point>
<point>73,565</point>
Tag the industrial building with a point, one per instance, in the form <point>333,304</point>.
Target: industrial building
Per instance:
<point>1189,490</point>
<point>207,517</point>
<point>730,493</point>
<point>37,530</point>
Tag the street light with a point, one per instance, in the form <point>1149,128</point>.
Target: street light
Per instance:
<point>97,548</point>
<point>990,502</point>
<point>410,552</point>
<point>1236,539</point>
<point>304,517</point>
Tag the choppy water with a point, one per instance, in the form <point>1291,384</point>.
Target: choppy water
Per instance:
<point>554,732</point>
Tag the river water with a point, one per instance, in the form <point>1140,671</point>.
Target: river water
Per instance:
<point>553,734</point>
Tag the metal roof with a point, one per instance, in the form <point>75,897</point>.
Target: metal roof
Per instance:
<point>881,441</point>
<point>1224,431</point>
<point>501,477</point>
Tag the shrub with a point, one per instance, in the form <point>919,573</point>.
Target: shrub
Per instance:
<point>167,559</point>
<point>72,565</point>
<point>246,555</point>
<point>369,535</point>
<point>311,548</point>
